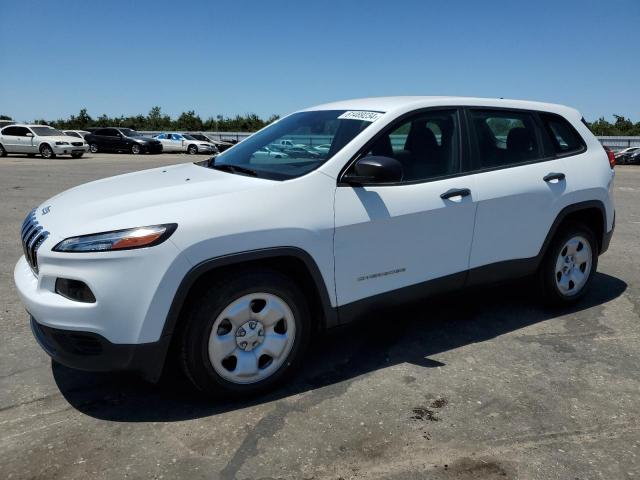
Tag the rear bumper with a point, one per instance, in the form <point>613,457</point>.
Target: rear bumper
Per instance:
<point>606,239</point>
<point>92,352</point>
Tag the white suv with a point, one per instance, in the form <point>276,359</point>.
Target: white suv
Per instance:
<point>237,263</point>
<point>34,139</point>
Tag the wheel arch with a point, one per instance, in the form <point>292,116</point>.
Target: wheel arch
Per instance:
<point>591,213</point>
<point>292,261</point>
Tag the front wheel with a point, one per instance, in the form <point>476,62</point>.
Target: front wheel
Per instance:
<point>245,334</point>
<point>93,147</point>
<point>569,265</point>
<point>47,152</point>
<point>135,149</point>
<point>77,155</point>
<point>3,152</point>
<point>192,150</point>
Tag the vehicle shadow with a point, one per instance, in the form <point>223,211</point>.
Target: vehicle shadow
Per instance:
<point>412,334</point>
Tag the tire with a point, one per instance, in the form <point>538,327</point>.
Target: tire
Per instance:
<point>93,148</point>
<point>47,152</point>
<point>135,149</point>
<point>31,155</point>
<point>192,149</point>
<point>566,274</point>
<point>269,357</point>
<point>77,155</point>
<point>3,152</point>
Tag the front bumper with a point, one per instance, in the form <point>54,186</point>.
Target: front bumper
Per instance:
<point>92,352</point>
<point>151,148</point>
<point>69,149</point>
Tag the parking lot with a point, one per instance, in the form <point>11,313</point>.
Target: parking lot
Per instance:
<point>484,384</point>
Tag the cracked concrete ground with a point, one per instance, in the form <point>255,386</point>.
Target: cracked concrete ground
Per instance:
<point>483,384</point>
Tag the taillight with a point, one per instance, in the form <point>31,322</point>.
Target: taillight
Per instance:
<point>612,158</point>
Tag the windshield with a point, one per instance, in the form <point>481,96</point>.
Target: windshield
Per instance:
<point>287,148</point>
<point>47,132</point>
<point>127,132</point>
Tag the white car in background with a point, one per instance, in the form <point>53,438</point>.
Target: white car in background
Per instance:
<point>76,133</point>
<point>42,139</point>
<point>266,152</point>
<point>182,142</point>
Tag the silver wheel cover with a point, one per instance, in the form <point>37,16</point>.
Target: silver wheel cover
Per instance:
<point>251,338</point>
<point>573,266</point>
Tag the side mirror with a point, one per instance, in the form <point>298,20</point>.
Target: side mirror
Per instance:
<point>375,169</point>
<point>28,134</point>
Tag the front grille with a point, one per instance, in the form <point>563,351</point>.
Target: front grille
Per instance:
<point>32,235</point>
<point>76,144</point>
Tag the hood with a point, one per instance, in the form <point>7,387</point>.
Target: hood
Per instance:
<point>148,197</point>
<point>61,138</point>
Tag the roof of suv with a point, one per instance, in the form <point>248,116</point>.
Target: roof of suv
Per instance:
<point>388,104</point>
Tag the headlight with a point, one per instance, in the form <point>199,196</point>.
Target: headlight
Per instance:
<point>62,143</point>
<point>117,240</point>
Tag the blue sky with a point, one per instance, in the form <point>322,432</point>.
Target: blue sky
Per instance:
<point>123,57</point>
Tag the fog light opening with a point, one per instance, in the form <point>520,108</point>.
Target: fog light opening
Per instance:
<point>74,290</point>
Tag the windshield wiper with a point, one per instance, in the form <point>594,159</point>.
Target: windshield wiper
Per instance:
<point>234,169</point>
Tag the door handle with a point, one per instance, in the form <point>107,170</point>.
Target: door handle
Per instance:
<point>455,192</point>
<point>553,176</point>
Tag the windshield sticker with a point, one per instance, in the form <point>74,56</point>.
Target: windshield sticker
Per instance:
<point>360,115</point>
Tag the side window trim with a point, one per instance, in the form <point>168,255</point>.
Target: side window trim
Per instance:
<point>463,153</point>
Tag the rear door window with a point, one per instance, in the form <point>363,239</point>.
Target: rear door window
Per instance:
<point>11,131</point>
<point>503,137</point>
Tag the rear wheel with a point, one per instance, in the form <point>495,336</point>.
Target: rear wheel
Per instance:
<point>3,152</point>
<point>192,149</point>
<point>93,147</point>
<point>31,155</point>
<point>47,152</point>
<point>245,334</point>
<point>569,265</point>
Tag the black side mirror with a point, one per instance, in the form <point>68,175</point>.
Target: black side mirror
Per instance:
<point>375,169</point>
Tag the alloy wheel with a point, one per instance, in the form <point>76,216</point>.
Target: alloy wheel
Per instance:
<point>46,152</point>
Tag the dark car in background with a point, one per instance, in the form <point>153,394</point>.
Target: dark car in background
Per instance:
<point>116,139</point>
<point>625,155</point>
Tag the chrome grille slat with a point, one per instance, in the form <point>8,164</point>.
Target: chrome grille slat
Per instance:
<point>32,235</point>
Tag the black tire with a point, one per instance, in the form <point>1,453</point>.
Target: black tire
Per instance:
<point>192,149</point>
<point>47,152</point>
<point>552,294</point>
<point>93,148</point>
<point>193,346</point>
<point>3,152</point>
<point>31,155</point>
<point>77,155</point>
<point>136,149</point>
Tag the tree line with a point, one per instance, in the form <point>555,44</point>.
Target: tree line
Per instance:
<point>156,120</point>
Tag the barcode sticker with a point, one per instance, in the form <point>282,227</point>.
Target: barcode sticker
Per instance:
<point>360,115</point>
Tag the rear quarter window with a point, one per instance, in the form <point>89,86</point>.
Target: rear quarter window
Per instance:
<point>564,139</point>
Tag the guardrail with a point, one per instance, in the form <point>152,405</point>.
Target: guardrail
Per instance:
<point>619,142</point>
<point>614,142</point>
